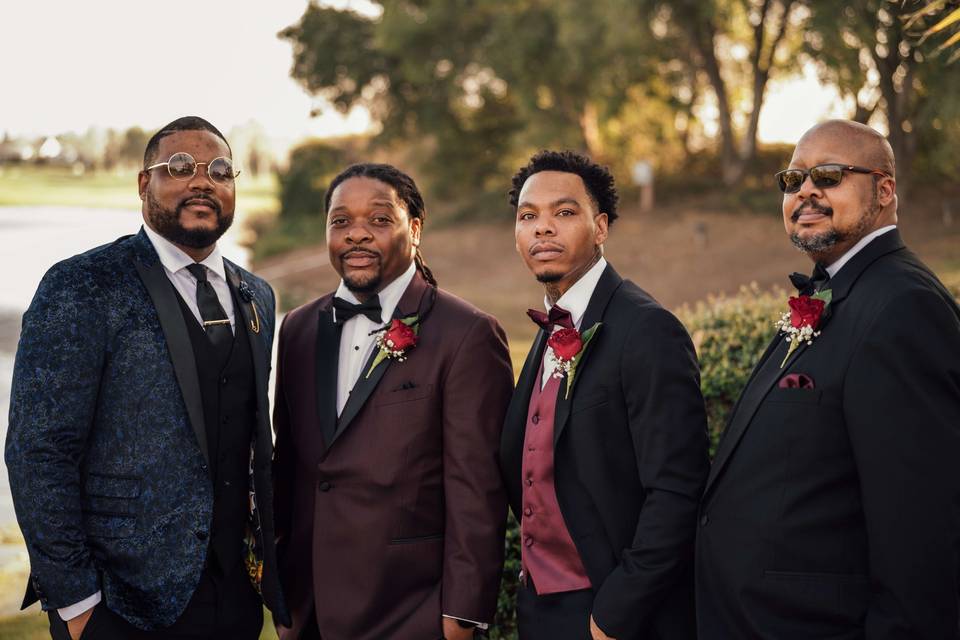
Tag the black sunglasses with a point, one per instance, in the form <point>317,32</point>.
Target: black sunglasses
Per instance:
<point>182,166</point>
<point>823,176</point>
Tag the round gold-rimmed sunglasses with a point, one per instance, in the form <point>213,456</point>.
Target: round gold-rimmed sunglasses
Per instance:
<point>182,166</point>
<point>823,176</point>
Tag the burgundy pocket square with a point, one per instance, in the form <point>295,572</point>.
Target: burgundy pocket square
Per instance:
<point>796,381</point>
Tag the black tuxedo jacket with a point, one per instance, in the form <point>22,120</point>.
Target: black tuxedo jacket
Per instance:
<point>630,460</point>
<point>834,512</point>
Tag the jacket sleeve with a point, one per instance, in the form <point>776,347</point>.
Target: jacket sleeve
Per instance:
<point>661,386</point>
<point>902,409</point>
<point>476,392</point>
<point>53,402</point>
<point>283,457</point>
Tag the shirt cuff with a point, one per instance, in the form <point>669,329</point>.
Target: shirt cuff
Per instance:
<point>74,610</point>
<point>479,625</point>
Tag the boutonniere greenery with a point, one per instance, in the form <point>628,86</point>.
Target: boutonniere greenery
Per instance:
<point>568,346</point>
<point>396,339</point>
<point>801,324</point>
<point>246,294</point>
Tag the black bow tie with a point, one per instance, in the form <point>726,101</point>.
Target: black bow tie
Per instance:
<point>347,310</point>
<point>808,285</point>
<point>557,315</point>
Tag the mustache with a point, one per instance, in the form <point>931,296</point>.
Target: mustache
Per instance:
<point>810,207</point>
<point>357,250</point>
<point>201,197</point>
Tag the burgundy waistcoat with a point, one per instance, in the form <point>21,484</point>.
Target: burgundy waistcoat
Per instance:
<point>548,554</point>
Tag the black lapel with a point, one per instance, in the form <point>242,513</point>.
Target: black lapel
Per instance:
<point>259,350</point>
<point>164,298</point>
<point>515,422</point>
<point>608,284</point>
<point>327,360</point>
<point>411,302</point>
<point>768,373</point>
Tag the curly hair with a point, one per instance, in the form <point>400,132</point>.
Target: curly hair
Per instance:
<point>406,190</point>
<point>596,178</point>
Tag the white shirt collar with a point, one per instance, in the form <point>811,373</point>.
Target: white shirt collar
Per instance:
<point>173,257</point>
<point>864,241</point>
<point>577,297</point>
<point>389,296</point>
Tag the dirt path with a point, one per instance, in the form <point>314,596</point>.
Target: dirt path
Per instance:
<point>679,256</point>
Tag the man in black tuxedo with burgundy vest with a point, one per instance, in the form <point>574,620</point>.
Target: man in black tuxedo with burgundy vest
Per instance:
<point>833,506</point>
<point>604,448</point>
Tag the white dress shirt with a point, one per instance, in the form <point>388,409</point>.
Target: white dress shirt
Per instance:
<point>575,300</point>
<point>175,263</point>
<point>855,249</point>
<point>356,341</point>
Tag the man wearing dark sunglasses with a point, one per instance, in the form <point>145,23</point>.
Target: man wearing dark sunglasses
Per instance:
<point>832,509</point>
<point>139,444</point>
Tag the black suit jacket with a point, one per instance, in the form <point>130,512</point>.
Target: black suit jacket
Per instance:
<point>630,460</point>
<point>834,512</point>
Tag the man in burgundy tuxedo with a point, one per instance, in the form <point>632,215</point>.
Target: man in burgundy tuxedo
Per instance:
<point>390,509</point>
<point>604,448</point>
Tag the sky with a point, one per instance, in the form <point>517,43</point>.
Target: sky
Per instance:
<point>66,66</point>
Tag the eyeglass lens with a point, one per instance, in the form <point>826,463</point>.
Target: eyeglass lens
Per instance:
<point>182,166</point>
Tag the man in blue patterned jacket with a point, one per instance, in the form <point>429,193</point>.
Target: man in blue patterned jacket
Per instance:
<point>139,444</point>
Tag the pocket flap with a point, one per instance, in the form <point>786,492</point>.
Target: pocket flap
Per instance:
<point>110,486</point>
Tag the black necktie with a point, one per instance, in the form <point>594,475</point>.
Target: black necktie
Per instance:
<point>808,285</point>
<point>558,315</point>
<point>347,310</point>
<point>215,321</point>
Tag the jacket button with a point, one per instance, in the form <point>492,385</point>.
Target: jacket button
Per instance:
<point>704,519</point>
<point>535,419</point>
<point>528,511</point>
<point>324,486</point>
<point>201,535</point>
<point>528,541</point>
<point>203,467</point>
<point>529,482</point>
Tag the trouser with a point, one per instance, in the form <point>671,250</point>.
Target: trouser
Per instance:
<point>554,616</point>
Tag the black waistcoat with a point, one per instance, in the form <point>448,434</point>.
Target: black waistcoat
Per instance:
<point>229,398</point>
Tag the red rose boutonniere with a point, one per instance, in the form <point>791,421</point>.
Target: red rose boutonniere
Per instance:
<point>568,346</point>
<point>802,323</point>
<point>395,339</point>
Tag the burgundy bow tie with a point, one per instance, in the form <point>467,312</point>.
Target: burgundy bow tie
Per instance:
<point>557,315</point>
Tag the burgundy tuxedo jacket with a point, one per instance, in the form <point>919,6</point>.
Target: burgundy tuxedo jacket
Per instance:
<point>396,516</point>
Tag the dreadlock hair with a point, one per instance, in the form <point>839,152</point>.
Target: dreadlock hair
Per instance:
<point>406,190</point>
<point>596,178</point>
<point>186,123</point>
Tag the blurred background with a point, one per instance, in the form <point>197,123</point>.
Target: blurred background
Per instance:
<point>693,104</point>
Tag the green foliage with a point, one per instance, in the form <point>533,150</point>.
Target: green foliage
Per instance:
<point>730,334</point>
<point>504,626</point>
<point>303,184</point>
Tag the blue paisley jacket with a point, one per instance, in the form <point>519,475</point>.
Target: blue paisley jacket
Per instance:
<point>106,447</point>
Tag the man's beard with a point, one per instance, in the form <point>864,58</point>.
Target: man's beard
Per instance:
<point>549,277</point>
<point>363,287</point>
<point>823,242</point>
<point>166,222</point>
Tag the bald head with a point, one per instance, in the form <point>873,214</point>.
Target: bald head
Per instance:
<point>865,145</point>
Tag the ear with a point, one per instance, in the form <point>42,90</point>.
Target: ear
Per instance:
<point>143,179</point>
<point>416,226</point>
<point>602,223</point>
<point>886,190</point>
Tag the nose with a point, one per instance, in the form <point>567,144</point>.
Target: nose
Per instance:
<point>358,233</point>
<point>808,189</point>
<point>544,226</point>
<point>201,179</point>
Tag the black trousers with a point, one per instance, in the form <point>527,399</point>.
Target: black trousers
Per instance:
<point>221,607</point>
<point>555,616</point>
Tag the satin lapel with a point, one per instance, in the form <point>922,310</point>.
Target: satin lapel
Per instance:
<point>327,359</point>
<point>244,313</point>
<point>410,303</point>
<point>178,343</point>
<point>608,284</point>
<point>514,424</point>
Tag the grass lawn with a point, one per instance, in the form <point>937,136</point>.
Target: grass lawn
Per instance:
<point>33,625</point>
<point>26,185</point>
